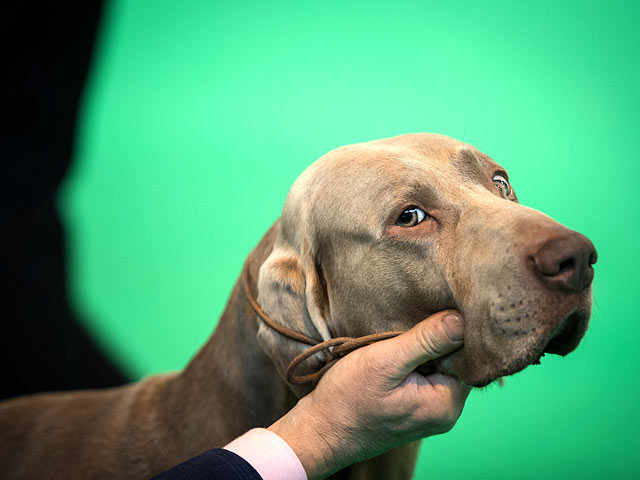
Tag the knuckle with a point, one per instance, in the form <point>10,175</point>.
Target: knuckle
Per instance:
<point>448,418</point>
<point>440,415</point>
<point>443,423</point>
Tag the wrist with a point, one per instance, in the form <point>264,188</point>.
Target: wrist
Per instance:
<point>313,439</point>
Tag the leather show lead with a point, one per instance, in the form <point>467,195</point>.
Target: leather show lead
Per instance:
<point>334,348</point>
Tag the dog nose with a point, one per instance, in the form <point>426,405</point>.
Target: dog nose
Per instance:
<point>566,262</point>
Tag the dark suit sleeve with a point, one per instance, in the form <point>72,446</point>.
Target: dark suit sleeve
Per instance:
<point>212,464</point>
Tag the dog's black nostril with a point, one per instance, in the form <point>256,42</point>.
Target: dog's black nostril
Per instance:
<point>566,265</point>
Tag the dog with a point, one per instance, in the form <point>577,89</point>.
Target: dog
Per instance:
<point>373,237</point>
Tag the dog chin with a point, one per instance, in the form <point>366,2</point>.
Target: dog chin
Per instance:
<point>561,340</point>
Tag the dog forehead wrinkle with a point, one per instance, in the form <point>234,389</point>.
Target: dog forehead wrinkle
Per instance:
<point>367,204</point>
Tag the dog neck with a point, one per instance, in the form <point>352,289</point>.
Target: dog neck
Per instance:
<point>231,385</point>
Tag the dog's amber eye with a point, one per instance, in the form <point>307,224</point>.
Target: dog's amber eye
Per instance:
<point>502,184</point>
<point>411,217</point>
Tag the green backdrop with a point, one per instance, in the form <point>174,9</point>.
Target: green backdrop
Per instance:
<point>199,115</point>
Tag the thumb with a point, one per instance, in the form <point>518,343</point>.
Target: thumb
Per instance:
<point>432,338</point>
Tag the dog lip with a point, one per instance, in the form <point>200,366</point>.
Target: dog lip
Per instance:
<point>566,336</point>
<point>519,364</point>
<point>563,339</point>
<point>445,364</point>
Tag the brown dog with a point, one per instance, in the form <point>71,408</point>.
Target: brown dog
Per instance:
<point>372,237</point>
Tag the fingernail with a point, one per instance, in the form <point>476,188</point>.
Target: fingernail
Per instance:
<point>453,327</point>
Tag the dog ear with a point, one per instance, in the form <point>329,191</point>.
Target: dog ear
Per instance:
<point>291,290</point>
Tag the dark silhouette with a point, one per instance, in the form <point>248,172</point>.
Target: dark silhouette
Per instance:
<point>47,53</point>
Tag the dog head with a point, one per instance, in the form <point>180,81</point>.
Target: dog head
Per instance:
<point>377,236</point>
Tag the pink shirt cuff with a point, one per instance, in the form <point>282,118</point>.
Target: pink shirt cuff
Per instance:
<point>269,454</point>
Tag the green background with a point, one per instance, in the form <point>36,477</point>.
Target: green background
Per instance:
<point>199,115</point>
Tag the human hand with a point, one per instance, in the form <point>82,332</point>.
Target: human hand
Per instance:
<point>372,400</point>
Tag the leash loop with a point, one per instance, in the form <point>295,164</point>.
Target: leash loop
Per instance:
<point>334,348</point>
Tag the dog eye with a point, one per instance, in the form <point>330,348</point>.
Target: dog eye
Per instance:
<point>411,217</point>
<point>502,184</point>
